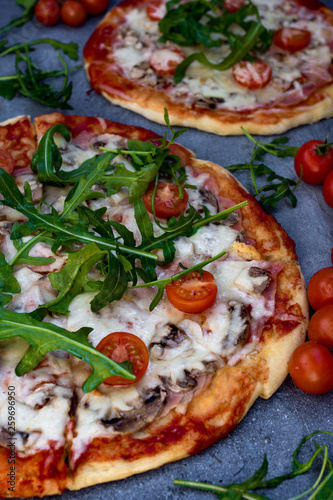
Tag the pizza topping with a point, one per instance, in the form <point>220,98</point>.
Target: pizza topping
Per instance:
<point>252,75</point>
<point>239,326</point>
<point>193,293</point>
<point>257,272</point>
<point>165,61</point>
<point>169,342</point>
<point>167,200</point>
<point>292,39</point>
<point>233,5</point>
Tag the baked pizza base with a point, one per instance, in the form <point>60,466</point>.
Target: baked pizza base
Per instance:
<point>217,409</point>
<point>108,78</point>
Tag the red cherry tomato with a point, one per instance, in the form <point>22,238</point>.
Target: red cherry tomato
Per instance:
<point>313,160</point>
<point>311,368</point>
<point>328,189</point>
<point>253,75</point>
<point>193,293</point>
<point>156,10</point>
<point>320,288</point>
<point>123,346</point>
<point>47,12</point>
<point>95,7</point>
<point>321,326</point>
<point>167,202</point>
<point>7,162</point>
<point>233,5</point>
<point>292,39</point>
<point>73,13</point>
<point>165,61</point>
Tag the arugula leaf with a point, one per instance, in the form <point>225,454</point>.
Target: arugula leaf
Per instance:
<point>72,278</point>
<point>46,337</point>
<point>161,284</point>
<point>70,49</point>
<point>23,258</point>
<point>26,16</point>
<point>8,282</point>
<point>114,285</point>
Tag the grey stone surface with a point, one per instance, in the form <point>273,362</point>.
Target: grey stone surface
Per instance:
<point>276,426</point>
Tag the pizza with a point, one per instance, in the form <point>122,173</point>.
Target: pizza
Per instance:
<point>210,353</point>
<point>264,66</point>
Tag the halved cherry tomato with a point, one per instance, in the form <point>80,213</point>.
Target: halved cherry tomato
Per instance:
<point>73,13</point>
<point>320,288</point>
<point>7,162</point>
<point>321,326</point>
<point>165,61</point>
<point>95,7</point>
<point>124,346</point>
<point>328,189</point>
<point>311,368</point>
<point>314,160</point>
<point>253,75</point>
<point>47,12</point>
<point>167,202</point>
<point>193,293</point>
<point>233,5</point>
<point>156,10</point>
<point>292,39</point>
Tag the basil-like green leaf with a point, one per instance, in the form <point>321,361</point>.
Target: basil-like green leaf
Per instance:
<point>46,337</point>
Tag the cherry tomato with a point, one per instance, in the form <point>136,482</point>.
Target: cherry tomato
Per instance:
<point>47,12</point>
<point>311,368</point>
<point>7,162</point>
<point>320,288</point>
<point>321,326</point>
<point>328,189</point>
<point>167,202</point>
<point>165,61</point>
<point>123,346</point>
<point>313,160</point>
<point>95,7</point>
<point>292,39</point>
<point>253,75</point>
<point>73,13</point>
<point>156,10</point>
<point>233,5</point>
<point>193,293</point>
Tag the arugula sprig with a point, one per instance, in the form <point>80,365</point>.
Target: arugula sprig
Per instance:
<point>320,490</point>
<point>46,337</point>
<point>199,21</point>
<point>282,187</point>
<point>162,283</point>
<point>26,16</point>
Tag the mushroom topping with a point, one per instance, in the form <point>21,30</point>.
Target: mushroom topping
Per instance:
<point>256,272</point>
<point>239,326</point>
<point>151,404</point>
<point>209,198</point>
<point>169,342</point>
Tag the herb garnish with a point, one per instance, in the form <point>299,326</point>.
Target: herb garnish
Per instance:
<point>199,22</point>
<point>321,489</point>
<point>284,187</point>
<point>26,16</point>
<point>30,80</point>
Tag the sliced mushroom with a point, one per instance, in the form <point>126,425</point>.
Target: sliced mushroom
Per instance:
<point>239,326</point>
<point>208,102</point>
<point>257,272</point>
<point>187,383</point>
<point>208,197</point>
<point>169,342</point>
<point>152,402</point>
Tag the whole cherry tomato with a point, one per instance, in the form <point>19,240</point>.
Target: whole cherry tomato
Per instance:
<point>328,189</point>
<point>313,161</point>
<point>193,293</point>
<point>311,368</point>
<point>7,162</point>
<point>321,326</point>
<point>167,203</point>
<point>292,39</point>
<point>95,7</point>
<point>233,5</point>
<point>124,346</point>
<point>156,10</point>
<point>253,75</point>
<point>73,13</point>
<point>165,61</point>
<point>320,288</point>
<point>47,12</point>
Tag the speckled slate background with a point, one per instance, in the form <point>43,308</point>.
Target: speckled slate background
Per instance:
<point>276,426</point>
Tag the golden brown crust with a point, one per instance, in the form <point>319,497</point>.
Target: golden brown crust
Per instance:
<point>108,78</point>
